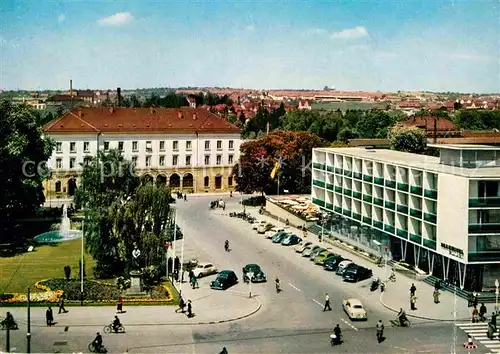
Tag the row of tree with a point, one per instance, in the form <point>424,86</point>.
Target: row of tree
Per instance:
<point>173,100</point>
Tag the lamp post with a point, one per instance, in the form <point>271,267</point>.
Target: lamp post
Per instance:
<point>28,331</point>
<point>250,276</point>
<point>497,284</point>
<point>82,271</point>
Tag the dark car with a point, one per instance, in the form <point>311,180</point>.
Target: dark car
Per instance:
<point>255,201</point>
<point>331,263</point>
<point>291,240</point>
<point>224,280</point>
<point>173,233</point>
<point>355,273</point>
<point>279,237</point>
<point>258,276</point>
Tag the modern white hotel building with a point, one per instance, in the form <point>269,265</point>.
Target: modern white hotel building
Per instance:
<point>441,214</point>
<point>189,149</point>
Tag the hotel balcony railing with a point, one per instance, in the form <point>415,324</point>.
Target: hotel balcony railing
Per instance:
<point>338,189</point>
<point>402,233</point>
<point>416,238</point>
<point>348,173</point>
<point>403,187</point>
<point>430,218</point>
<point>378,201</point>
<point>402,209</point>
<point>379,181</point>
<point>319,166</point>
<point>378,224</point>
<point>330,168</point>
<point>318,183</point>
<point>389,228</point>
<point>390,205</point>
<point>367,220</point>
<point>367,178</point>
<point>347,191</point>
<point>416,190</point>
<point>484,202</point>
<point>429,243</point>
<point>484,256</point>
<point>338,170</point>
<point>329,206</point>
<point>416,213</point>
<point>357,175</point>
<point>367,198</point>
<point>431,193</point>
<point>356,216</point>
<point>390,184</point>
<point>318,202</point>
<point>346,212</point>
<point>329,186</point>
<point>356,195</point>
<point>484,228</point>
<point>338,209</point>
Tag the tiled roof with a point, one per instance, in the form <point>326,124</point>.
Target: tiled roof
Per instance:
<point>427,122</point>
<point>140,120</point>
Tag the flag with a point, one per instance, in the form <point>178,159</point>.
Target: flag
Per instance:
<point>275,169</point>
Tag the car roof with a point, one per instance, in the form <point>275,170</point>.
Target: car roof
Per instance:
<point>202,264</point>
<point>252,265</point>
<point>222,272</point>
<point>354,301</point>
<point>346,261</point>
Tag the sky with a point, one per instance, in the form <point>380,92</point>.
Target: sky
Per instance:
<point>347,45</point>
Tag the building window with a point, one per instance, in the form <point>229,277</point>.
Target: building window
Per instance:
<point>120,145</point>
<point>87,160</point>
<point>134,146</point>
<point>207,144</point>
<point>72,162</point>
<point>161,161</point>
<point>175,145</point>
<point>188,160</point>
<point>149,146</point>
<point>58,187</point>
<point>162,145</point>
<point>175,160</point>
<point>207,159</point>
<point>231,145</point>
<point>58,163</point>
<point>148,161</point>
<point>188,146</point>
<point>58,146</point>
<point>106,145</point>
<point>72,146</point>
<point>206,181</point>
<point>86,146</point>
<point>134,160</point>
<point>219,144</point>
<point>218,160</point>
<point>230,159</point>
<point>230,181</point>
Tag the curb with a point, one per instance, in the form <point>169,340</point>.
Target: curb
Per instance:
<point>420,317</point>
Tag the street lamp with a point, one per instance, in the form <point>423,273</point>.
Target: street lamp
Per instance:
<point>497,284</point>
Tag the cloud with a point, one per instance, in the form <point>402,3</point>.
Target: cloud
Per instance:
<point>250,28</point>
<point>117,19</point>
<point>61,18</point>
<point>351,33</point>
<point>316,32</point>
<point>468,56</point>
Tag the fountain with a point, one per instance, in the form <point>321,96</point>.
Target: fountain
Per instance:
<point>63,234</point>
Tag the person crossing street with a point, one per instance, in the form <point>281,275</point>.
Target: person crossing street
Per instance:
<point>327,303</point>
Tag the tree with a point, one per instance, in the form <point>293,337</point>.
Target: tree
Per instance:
<point>374,125</point>
<point>412,140</point>
<point>23,155</point>
<point>292,149</point>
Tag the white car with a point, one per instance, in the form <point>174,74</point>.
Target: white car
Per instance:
<point>274,231</point>
<point>203,269</point>
<point>257,223</point>
<point>354,309</point>
<point>264,227</point>
<point>302,246</point>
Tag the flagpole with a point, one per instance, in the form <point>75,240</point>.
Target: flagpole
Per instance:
<point>175,238</point>
<point>182,263</point>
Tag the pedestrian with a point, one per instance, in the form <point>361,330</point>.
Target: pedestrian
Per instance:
<point>413,301</point>
<point>470,300</point>
<point>412,289</point>
<point>482,312</point>
<point>475,315</point>
<point>436,296</point>
<point>49,317</point>
<point>380,331</point>
<point>190,309</point>
<point>327,303</point>
<point>223,207</point>
<point>194,282</point>
<point>494,320</point>
<point>61,304</point>
<point>185,197</point>
<point>475,300</point>
<point>119,305</point>
<point>437,284</point>
<point>191,275</point>
<point>182,305</point>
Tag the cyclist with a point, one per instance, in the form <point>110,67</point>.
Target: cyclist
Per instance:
<point>97,343</point>
<point>116,324</point>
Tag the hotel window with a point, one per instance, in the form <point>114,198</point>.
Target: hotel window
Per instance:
<point>207,159</point>
<point>207,144</point>
<point>148,161</point>
<point>72,146</point>
<point>86,146</point>
<point>120,145</point>
<point>72,162</point>
<point>87,160</point>
<point>230,181</point>
<point>161,162</point>
<point>149,146</point>
<point>188,160</point>
<point>175,160</point>
<point>134,146</point>
<point>106,145</point>
<point>188,146</point>
<point>58,146</point>
<point>134,160</point>
<point>219,144</point>
<point>230,159</point>
<point>218,160</point>
<point>175,145</point>
<point>162,145</point>
<point>58,163</point>
<point>231,145</point>
<point>58,187</point>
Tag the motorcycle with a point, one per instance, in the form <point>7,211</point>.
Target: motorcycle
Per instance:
<point>375,284</point>
<point>398,323</point>
<point>392,277</point>
<point>93,349</point>
<point>334,340</point>
<point>110,328</point>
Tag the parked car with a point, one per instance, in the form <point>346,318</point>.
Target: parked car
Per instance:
<point>274,231</point>
<point>262,228</point>
<point>331,263</point>
<point>342,266</point>
<point>255,201</point>
<point>279,237</point>
<point>322,256</point>
<point>316,252</point>
<point>354,309</point>
<point>309,249</point>
<point>290,240</point>
<point>302,246</point>
<point>283,232</point>
<point>203,269</point>
<point>258,275</point>
<point>357,273</point>
<point>224,280</point>
<point>257,223</point>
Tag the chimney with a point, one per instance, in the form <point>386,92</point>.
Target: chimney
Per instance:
<point>179,114</point>
<point>119,96</point>
<point>70,87</point>
<point>194,116</point>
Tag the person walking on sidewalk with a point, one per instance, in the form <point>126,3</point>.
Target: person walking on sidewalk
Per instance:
<point>436,296</point>
<point>61,304</point>
<point>482,312</point>
<point>494,320</point>
<point>182,305</point>
<point>119,305</point>
<point>412,289</point>
<point>470,300</point>
<point>327,303</point>
<point>413,301</point>
<point>190,309</point>
<point>475,301</point>
<point>49,317</point>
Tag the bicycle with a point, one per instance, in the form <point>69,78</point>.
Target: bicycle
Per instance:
<point>93,349</point>
<point>110,328</point>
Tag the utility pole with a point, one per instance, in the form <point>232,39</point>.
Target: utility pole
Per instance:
<point>28,332</point>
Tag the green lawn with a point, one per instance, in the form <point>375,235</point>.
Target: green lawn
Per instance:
<point>47,261</point>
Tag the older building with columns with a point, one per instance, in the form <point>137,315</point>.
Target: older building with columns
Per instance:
<point>189,149</point>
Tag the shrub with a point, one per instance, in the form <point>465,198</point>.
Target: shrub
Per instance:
<point>67,272</point>
<point>123,283</point>
<point>92,290</point>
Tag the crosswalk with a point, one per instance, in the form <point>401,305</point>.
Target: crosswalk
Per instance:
<point>478,331</point>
